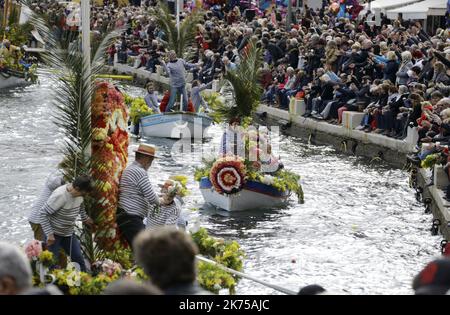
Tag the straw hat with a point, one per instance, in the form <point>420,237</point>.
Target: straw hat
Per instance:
<point>147,149</point>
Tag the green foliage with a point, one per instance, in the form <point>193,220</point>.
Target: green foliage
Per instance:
<point>227,253</point>
<point>121,255</point>
<point>138,108</point>
<point>431,160</point>
<point>215,101</point>
<point>74,89</point>
<point>183,180</point>
<point>285,180</point>
<point>246,88</point>
<point>17,34</point>
<point>214,279</point>
<point>177,41</point>
<point>201,172</point>
<point>46,258</point>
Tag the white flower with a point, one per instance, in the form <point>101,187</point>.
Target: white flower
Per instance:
<point>209,158</point>
<point>268,180</point>
<point>193,228</point>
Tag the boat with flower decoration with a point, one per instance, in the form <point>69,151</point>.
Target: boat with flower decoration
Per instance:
<point>228,188</point>
<point>259,181</point>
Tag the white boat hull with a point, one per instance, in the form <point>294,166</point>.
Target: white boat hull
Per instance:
<point>12,81</point>
<point>175,125</point>
<point>246,199</point>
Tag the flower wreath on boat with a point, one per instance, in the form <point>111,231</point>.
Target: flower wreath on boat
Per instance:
<point>228,174</point>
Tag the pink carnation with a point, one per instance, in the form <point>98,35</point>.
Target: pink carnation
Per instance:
<point>33,249</point>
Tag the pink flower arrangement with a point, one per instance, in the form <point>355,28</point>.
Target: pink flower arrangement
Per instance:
<point>33,249</point>
<point>108,266</point>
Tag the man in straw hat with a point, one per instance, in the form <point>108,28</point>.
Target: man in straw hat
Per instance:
<point>136,194</point>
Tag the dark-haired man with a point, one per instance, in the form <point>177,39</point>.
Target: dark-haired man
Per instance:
<point>59,214</point>
<point>168,258</point>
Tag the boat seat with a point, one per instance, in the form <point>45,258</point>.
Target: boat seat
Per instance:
<point>351,120</point>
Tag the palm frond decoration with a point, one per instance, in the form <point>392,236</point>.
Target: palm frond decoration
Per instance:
<point>177,41</point>
<point>242,97</point>
<point>73,89</point>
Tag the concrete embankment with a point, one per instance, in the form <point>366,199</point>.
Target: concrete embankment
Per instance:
<point>344,139</point>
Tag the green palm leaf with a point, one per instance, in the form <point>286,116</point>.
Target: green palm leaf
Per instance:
<point>74,87</point>
<point>246,88</point>
<point>177,41</point>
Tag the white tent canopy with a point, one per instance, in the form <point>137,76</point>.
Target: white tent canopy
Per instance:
<point>419,10</point>
<point>384,5</point>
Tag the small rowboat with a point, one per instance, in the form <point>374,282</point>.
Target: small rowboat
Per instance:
<point>9,80</point>
<point>176,125</point>
<point>253,195</point>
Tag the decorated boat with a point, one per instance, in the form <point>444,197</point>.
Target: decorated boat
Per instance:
<point>253,195</point>
<point>233,183</point>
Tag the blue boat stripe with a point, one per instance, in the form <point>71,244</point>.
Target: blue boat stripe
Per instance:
<point>258,187</point>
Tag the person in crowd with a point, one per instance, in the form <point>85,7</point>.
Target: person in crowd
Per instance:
<point>131,287</point>
<point>405,66</point>
<point>15,270</point>
<point>312,289</point>
<point>59,214</point>
<point>434,279</point>
<point>168,257</point>
<point>136,194</point>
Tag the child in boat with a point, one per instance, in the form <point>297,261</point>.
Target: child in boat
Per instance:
<point>151,99</point>
<point>169,212</point>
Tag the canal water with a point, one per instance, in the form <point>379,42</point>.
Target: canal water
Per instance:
<point>360,230</point>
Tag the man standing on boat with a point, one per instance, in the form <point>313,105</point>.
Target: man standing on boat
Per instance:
<point>176,68</point>
<point>136,194</point>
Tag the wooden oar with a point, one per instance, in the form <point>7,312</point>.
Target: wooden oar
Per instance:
<point>243,275</point>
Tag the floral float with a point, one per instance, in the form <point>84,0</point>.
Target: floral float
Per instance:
<point>110,157</point>
<point>230,174</point>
